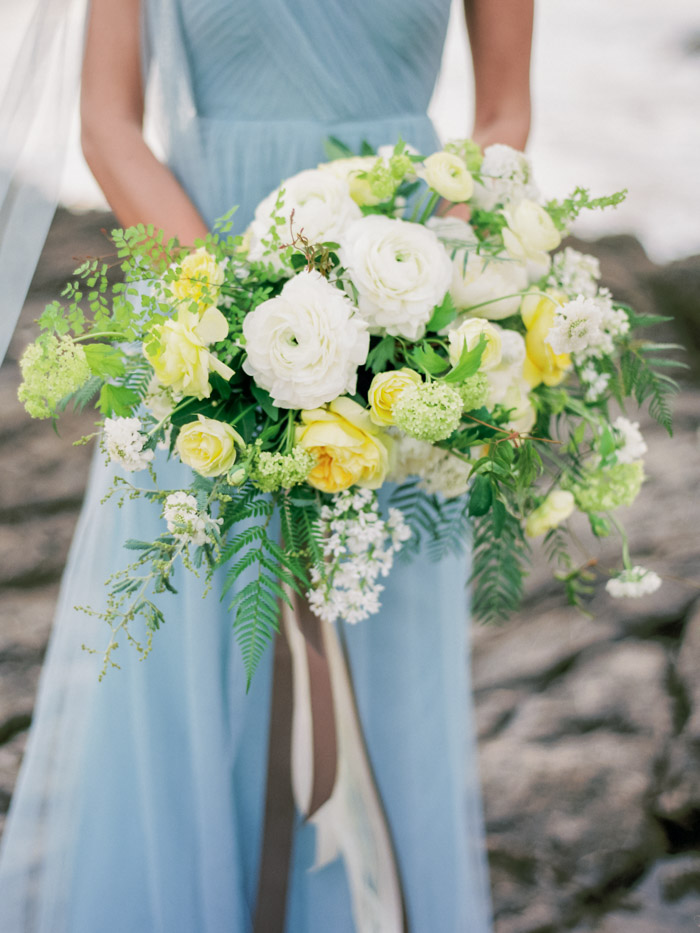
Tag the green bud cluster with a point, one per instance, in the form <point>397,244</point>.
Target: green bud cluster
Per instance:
<point>607,488</point>
<point>273,471</point>
<point>474,391</point>
<point>469,151</point>
<point>51,370</point>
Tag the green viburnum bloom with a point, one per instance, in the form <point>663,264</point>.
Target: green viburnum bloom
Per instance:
<point>469,151</point>
<point>52,369</point>
<point>607,488</point>
<point>273,471</point>
<point>474,391</point>
<point>400,166</point>
<point>381,181</point>
<point>430,411</point>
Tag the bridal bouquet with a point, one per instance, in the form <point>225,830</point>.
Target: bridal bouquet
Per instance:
<point>355,341</point>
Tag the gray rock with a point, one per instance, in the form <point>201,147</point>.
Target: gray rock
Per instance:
<point>25,620</point>
<point>35,551</point>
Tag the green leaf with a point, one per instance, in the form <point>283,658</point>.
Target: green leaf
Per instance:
<point>104,359</point>
<point>443,314</point>
<point>480,496</point>
<point>117,400</point>
<point>499,517</point>
<point>382,354</point>
<point>607,444</point>
<point>335,149</point>
<point>264,399</point>
<point>469,362</point>
<point>424,357</point>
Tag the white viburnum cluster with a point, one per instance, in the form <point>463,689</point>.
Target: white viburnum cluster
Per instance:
<point>440,472</point>
<point>186,522</point>
<point>359,548</point>
<point>632,444</point>
<point>633,583</point>
<point>123,442</point>
<point>576,273</point>
<point>506,176</point>
<point>586,327</point>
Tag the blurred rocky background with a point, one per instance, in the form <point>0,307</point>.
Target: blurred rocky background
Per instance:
<point>589,727</point>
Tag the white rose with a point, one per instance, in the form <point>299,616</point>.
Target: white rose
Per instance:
<point>531,233</point>
<point>466,333</point>
<point>305,345</point>
<point>323,209</point>
<point>400,270</point>
<point>447,174</point>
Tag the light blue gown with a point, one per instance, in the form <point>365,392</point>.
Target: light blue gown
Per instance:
<point>139,807</point>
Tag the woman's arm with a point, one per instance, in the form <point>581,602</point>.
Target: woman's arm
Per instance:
<point>138,187</point>
<point>500,36</point>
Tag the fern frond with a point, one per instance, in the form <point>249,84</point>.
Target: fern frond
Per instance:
<point>500,556</point>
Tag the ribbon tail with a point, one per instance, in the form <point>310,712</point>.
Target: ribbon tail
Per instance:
<point>353,822</point>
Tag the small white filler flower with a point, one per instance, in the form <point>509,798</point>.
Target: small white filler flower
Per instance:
<point>633,583</point>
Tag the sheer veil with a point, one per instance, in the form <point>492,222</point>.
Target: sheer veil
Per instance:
<point>38,107</point>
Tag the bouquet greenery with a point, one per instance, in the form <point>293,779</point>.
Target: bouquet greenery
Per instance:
<point>355,339</point>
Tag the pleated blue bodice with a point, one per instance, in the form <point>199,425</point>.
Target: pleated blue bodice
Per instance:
<point>252,89</point>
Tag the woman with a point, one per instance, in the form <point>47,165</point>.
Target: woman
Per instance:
<point>140,804</point>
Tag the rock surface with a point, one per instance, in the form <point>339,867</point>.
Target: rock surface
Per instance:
<point>589,728</point>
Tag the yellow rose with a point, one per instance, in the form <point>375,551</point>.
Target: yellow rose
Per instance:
<point>468,333</point>
<point>555,509</point>
<point>349,449</point>
<point>208,446</point>
<point>542,364</point>
<point>447,174</point>
<point>531,233</point>
<point>385,391</point>
<point>182,359</point>
<point>199,279</point>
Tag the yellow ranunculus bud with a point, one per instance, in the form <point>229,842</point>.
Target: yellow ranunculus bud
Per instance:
<point>447,174</point>
<point>208,446</point>
<point>385,391</point>
<point>542,364</point>
<point>468,333</point>
<point>531,233</point>
<point>200,278</point>
<point>555,509</point>
<point>349,449</point>
<point>182,359</point>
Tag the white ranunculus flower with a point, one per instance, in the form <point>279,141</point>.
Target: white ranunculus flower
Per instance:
<point>305,345</point>
<point>531,233</point>
<point>400,270</point>
<point>323,209</point>
<point>506,381</point>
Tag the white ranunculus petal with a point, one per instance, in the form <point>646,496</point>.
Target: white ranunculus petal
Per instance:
<point>304,345</point>
<point>400,270</point>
